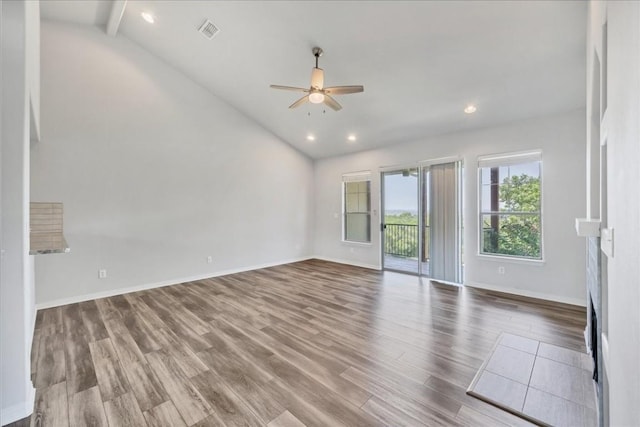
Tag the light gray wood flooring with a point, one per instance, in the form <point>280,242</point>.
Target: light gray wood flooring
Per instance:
<point>311,343</point>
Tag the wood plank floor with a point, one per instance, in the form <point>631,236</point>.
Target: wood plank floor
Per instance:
<point>311,343</point>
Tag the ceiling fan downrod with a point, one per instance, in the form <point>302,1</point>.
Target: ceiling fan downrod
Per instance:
<point>317,52</point>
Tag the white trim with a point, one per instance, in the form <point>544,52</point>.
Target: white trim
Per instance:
<point>586,227</point>
<point>509,159</point>
<point>586,340</point>
<point>605,352</point>
<point>421,163</point>
<point>356,176</point>
<point>129,289</point>
<point>32,332</point>
<point>115,16</point>
<point>398,167</point>
<point>342,261</point>
<point>531,294</point>
<point>20,410</point>
<point>440,161</point>
<point>604,128</point>
<point>354,243</point>
<point>512,259</point>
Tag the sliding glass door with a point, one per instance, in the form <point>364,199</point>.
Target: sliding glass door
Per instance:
<point>421,225</point>
<point>400,226</point>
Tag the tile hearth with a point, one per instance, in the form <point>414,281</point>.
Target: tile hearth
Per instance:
<point>544,383</point>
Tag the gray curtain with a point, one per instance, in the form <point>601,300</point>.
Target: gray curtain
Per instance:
<point>445,222</point>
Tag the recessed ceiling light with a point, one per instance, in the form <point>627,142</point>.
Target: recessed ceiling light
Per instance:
<point>351,138</point>
<point>470,109</point>
<point>148,17</point>
<point>311,137</point>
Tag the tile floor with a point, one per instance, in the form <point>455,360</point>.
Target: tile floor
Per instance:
<point>546,383</point>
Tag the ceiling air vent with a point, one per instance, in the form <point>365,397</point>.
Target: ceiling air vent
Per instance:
<point>208,29</point>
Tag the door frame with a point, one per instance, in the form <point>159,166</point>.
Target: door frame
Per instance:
<point>422,200</point>
<point>383,226</point>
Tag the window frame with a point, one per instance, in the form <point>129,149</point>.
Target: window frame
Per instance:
<point>510,159</point>
<point>356,177</point>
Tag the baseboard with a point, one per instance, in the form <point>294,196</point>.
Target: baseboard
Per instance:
<point>144,287</point>
<point>20,410</point>
<point>342,261</point>
<point>531,294</point>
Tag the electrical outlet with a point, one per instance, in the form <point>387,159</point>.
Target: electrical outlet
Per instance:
<point>209,259</point>
<point>501,270</point>
<point>102,274</point>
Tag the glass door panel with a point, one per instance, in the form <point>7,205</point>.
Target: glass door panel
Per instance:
<point>422,221</point>
<point>426,222</point>
<point>401,234</point>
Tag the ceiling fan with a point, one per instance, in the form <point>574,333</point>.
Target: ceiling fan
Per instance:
<point>317,93</point>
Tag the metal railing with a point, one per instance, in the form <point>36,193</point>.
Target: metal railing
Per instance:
<point>402,240</point>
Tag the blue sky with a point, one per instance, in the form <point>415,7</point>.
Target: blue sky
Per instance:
<point>401,192</point>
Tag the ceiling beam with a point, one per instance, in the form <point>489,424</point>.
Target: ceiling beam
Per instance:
<point>117,10</point>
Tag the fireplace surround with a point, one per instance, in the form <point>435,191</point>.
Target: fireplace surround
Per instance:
<point>593,331</point>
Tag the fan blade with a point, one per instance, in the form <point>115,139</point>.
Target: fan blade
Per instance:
<point>299,102</point>
<point>332,102</point>
<point>343,90</point>
<point>295,89</point>
<point>317,78</point>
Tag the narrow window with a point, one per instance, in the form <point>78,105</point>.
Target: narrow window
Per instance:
<point>356,218</point>
<point>510,205</point>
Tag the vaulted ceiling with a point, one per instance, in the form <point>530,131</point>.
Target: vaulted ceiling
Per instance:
<point>421,62</point>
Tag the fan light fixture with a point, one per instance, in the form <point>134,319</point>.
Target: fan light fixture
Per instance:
<point>316,98</point>
<point>317,92</point>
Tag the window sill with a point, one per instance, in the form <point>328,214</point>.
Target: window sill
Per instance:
<point>350,243</point>
<point>512,260</point>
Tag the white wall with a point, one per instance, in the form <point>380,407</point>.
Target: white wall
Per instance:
<point>621,126</point>
<point>33,65</point>
<point>155,173</point>
<point>18,23</point>
<point>561,277</point>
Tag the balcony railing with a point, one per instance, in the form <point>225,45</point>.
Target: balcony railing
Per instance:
<point>402,240</point>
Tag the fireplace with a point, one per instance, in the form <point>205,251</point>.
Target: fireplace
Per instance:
<point>593,339</point>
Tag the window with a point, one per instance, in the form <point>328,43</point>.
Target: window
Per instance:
<point>356,189</point>
<point>510,205</point>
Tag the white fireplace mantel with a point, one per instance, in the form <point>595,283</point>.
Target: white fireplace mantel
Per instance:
<point>587,227</point>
